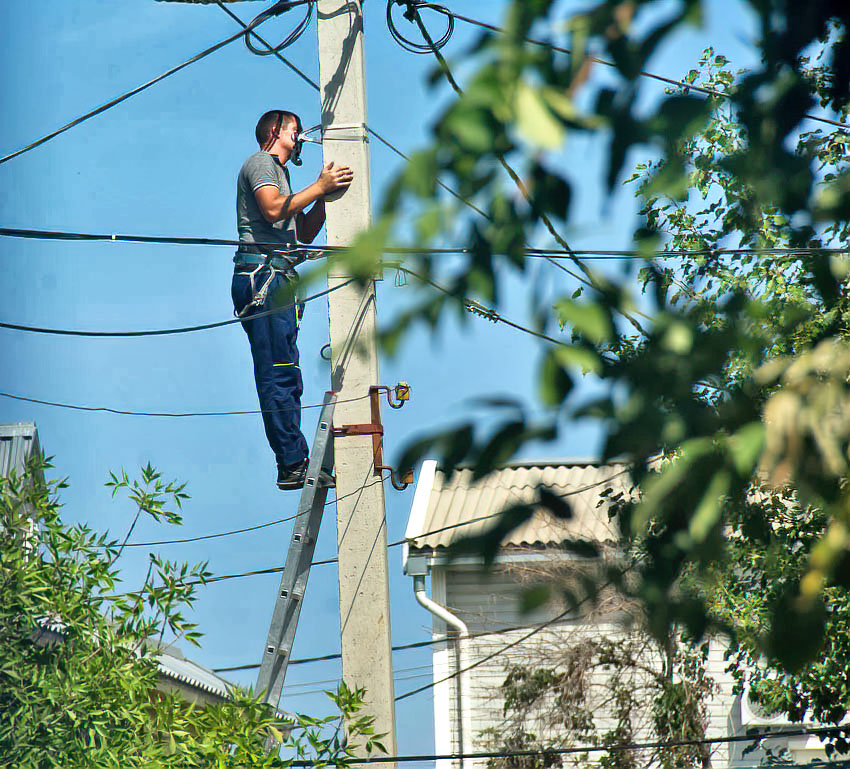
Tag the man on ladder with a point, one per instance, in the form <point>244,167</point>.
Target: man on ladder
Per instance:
<point>268,212</point>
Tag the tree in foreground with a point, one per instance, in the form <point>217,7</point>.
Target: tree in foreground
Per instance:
<point>731,361</point>
<point>88,697</point>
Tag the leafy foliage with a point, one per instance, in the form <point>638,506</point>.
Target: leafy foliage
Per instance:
<point>598,689</point>
<point>79,682</point>
<point>733,365</point>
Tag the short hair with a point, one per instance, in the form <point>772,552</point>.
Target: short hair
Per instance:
<point>267,123</point>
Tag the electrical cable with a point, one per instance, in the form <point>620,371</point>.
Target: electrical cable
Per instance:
<point>280,6</point>
<point>493,654</point>
<point>372,131</point>
<point>170,331</point>
<point>397,671</point>
<point>478,309</point>
<point>411,45</point>
<point>643,73</point>
<point>612,747</point>
<point>168,414</point>
<point>588,278</point>
<point>400,647</point>
<point>433,641</point>
<point>269,46</point>
<point>240,531</point>
<point>439,182</point>
<point>211,536</point>
<point>160,240</point>
<point>316,252</point>
<point>397,543</point>
<point>299,30</point>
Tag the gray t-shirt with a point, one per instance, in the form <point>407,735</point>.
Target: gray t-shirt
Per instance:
<point>259,170</point>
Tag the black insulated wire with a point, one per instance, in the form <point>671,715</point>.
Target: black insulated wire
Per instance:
<point>276,10</point>
<point>413,7</point>
<point>282,6</point>
<point>168,331</point>
<point>685,86</point>
<point>167,414</point>
<point>752,736</point>
<point>320,251</point>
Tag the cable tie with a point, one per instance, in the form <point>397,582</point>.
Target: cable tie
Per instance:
<point>361,135</point>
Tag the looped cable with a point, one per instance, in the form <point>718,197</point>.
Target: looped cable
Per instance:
<point>277,9</point>
<point>413,8</point>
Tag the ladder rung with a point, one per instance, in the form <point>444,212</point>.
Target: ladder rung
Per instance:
<point>297,566</point>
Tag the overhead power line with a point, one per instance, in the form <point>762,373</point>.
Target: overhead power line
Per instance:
<point>169,414</point>
<point>396,543</point>
<point>826,731</point>
<point>479,309</point>
<point>271,50</point>
<point>400,647</point>
<point>587,278</point>
<point>269,46</point>
<point>169,331</point>
<point>546,44</point>
<point>314,252</point>
<point>241,531</point>
<point>275,10</point>
<point>493,654</point>
<point>433,641</point>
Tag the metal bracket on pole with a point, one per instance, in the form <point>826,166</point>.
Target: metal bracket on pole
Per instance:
<point>296,570</point>
<point>376,430</point>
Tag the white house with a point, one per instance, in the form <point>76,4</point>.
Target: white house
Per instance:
<point>482,630</point>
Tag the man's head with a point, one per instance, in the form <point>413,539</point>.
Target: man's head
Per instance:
<point>279,127</point>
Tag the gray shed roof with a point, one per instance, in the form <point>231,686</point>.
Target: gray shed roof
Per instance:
<point>18,442</point>
<point>446,509</point>
<point>172,664</point>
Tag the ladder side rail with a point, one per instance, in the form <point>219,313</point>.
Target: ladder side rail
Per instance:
<point>280,661</point>
<point>299,557</point>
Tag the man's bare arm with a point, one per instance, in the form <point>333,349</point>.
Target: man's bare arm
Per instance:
<point>275,206</point>
<point>309,223</point>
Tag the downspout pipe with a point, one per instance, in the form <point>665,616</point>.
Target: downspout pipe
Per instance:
<point>461,678</point>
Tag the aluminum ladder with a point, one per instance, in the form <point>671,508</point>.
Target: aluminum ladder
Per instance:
<point>296,570</point>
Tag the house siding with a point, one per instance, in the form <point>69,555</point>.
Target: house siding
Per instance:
<point>491,602</point>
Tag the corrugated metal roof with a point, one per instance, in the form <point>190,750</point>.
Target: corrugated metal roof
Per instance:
<point>174,665</point>
<point>460,507</point>
<point>18,442</point>
<point>169,659</point>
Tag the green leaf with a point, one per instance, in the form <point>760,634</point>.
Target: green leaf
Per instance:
<point>707,515</point>
<point>473,129</point>
<point>590,319</point>
<point>533,598</point>
<point>555,382</point>
<point>745,447</point>
<point>555,503</point>
<point>535,121</point>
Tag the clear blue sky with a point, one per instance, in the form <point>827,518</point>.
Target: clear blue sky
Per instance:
<point>165,163</point>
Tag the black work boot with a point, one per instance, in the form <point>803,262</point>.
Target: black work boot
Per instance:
<point>291,476</point>
<point>294,477</point>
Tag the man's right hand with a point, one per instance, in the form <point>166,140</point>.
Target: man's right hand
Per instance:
<point>334,178</point>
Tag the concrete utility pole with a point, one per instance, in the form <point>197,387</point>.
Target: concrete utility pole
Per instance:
<point>361,524</point>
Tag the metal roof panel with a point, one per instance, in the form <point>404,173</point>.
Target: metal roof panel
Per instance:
<point>18,442</point>
<point>469,506</point>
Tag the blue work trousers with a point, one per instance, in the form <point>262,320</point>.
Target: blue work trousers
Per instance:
<point>276,371</point>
